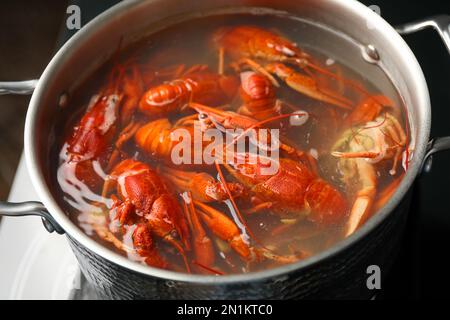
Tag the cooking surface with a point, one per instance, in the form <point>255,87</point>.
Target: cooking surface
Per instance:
<point>418,271</point>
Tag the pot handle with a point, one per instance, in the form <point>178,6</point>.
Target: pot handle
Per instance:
<point>18,87</point>
<point>441,23</point>
<point>434,146</point>
<point>31,208</point>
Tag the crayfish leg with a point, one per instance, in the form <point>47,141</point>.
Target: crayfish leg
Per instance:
<point>224,228</point>
<point>203,247</point>
<point>255,66</point>
<point>364,198</point>
<point>221,68</point>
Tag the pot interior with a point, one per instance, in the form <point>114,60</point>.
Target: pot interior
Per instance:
<point>341,30</point>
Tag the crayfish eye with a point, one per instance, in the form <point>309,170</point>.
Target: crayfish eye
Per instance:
<point>202,116</point>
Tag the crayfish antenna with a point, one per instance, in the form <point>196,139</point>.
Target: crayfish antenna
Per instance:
<point>233,202</point>
<point>180,249</point>
<point>358,154</point>
<point>352,84</point>
<point>209,269</point>
<point>253,65</point>
<point>221,60</point>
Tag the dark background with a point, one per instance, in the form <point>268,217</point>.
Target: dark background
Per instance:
<point>30,31</point>
<point>422,269</point>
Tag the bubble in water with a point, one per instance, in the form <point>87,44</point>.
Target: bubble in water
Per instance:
<point>299,118</point>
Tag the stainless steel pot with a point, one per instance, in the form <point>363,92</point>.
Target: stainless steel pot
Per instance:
<point>346,28</point>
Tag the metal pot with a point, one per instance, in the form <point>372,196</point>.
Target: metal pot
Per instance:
<point>347,29</point>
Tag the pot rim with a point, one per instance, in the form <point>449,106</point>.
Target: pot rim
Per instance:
<point>76,233</point>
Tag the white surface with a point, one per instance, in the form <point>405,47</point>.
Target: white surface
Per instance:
<point>33,263</point>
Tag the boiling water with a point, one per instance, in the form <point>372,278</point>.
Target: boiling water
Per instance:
<point>189,43</point>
